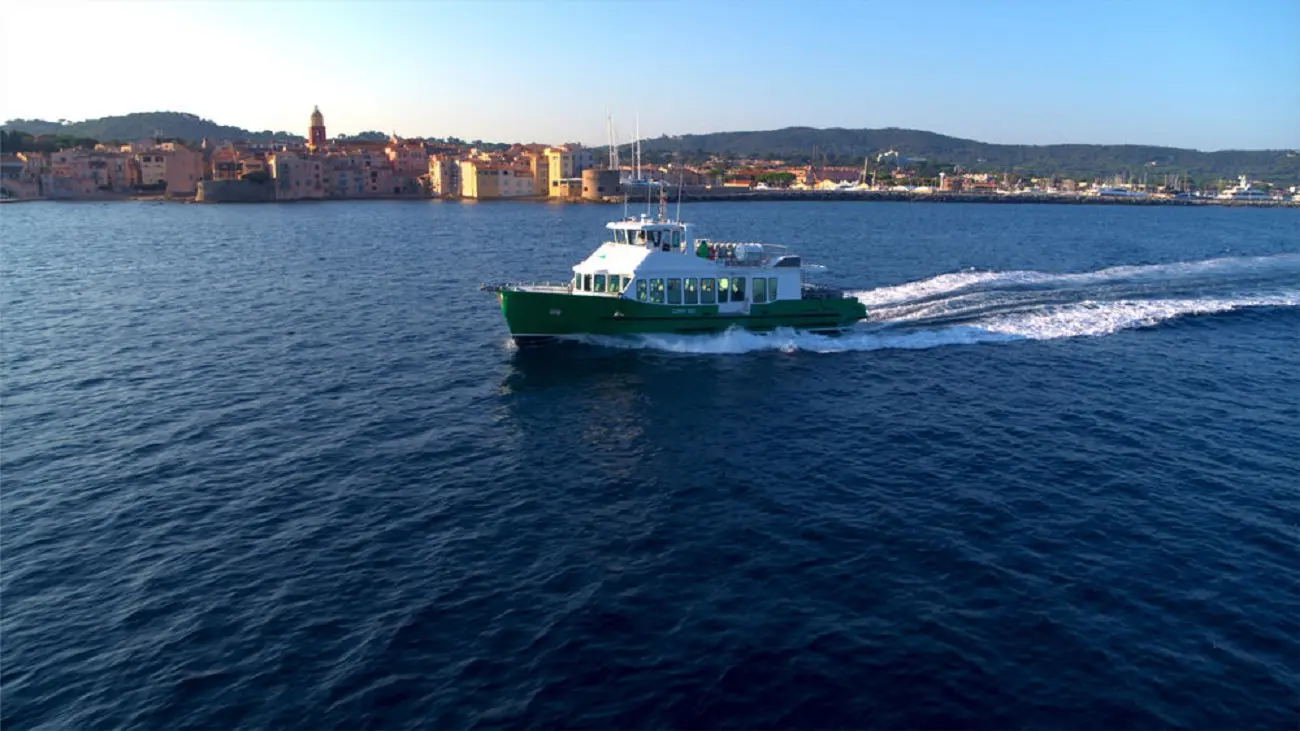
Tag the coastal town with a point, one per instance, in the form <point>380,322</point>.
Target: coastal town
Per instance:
<point>318,168</point>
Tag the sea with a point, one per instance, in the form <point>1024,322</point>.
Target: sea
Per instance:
<point>279,466</point>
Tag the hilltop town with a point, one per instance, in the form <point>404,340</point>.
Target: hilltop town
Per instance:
<point>318,168</point>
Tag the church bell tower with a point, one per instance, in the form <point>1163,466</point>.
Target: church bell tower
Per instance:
<point>316,133</point>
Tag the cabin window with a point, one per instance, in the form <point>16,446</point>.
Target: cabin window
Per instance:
<point>598,283</point>
<point>620,236</point>
<point>586,282</point>
<point>771,289</point>
<point>707,296</point>
<point>692,291</point>
<point>738,289</point>
<point>674,291</point>
<point>615,283</point>
<point>760,289</point>
<point>657,291</point>
<point>724,289</point>
<point>677,239</point>
<point>640,289</point>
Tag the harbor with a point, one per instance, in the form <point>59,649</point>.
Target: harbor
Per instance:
<point>696,194</point>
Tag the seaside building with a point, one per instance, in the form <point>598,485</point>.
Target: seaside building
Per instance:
<point>295,177</point>
<point>184,169</point>
<point>444,176</point>
<point>565,164</point>
<point>358,173</point>
<point>494,179</point>
<point>226,164</point>
<point>153,168</point>
<point>81,173</point>
<point>20,176</point>
<point>407,158</point>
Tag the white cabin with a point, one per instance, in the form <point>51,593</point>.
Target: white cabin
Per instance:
<point>660,262</point>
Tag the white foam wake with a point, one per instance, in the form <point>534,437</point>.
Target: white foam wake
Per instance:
<point>972,307</point>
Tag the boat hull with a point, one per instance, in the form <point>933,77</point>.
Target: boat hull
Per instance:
<point>535,317</point>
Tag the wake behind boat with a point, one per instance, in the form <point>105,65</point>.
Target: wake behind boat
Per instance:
<point>654,276</point>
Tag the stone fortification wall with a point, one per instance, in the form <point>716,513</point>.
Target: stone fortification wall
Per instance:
<point>234,191</point>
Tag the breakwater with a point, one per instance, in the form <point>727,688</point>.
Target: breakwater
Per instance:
<point>696,195</point>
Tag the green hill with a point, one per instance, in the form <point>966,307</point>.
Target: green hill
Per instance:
<point>143,124</point>
<point>851,146</point>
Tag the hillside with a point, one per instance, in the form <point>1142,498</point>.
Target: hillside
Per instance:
<point>850,146</point>
<point>143,124</point>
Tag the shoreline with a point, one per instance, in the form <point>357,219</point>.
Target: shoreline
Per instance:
<point>736,197</point>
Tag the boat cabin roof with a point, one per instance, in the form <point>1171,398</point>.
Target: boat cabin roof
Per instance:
<point>645,224</point>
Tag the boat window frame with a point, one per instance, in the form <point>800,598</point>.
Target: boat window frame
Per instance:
<point>598,282</point>
<point>614,284</point>
<point>691,291</point>
<point>677,290</point>
<point>771,289</point>
<point>620,236</point>
<point>724,290</point>
<point>708,291</point>
<point>586,282</point>
<point>641,291</point>
<point>738,289</point>
<point>759,291</point>
<point>656,290</point>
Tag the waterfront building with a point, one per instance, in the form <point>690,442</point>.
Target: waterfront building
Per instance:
<point>19,178</point>
<point>444,176</point>
<point>226,163</point>
<point>184,170</point>
<point>81,173</point>
<point>153,168</point>
<point>407,158</point>
<point>539,165</point>
<point>494,179</point>
<point>566,162</point>
<point>295,177</point>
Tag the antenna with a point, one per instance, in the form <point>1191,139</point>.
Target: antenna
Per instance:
<point>663,203</point>
<point>636,151</point>
<point>679,196</point>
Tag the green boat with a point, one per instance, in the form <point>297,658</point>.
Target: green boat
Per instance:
<point>654,276</point>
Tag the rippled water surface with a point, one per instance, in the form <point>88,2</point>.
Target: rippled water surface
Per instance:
<point>278,467</point>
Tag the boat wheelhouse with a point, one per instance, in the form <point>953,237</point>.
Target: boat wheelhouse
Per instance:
<point>654,276</point>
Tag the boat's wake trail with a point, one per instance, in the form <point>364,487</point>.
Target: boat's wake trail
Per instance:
<point>989,306</point>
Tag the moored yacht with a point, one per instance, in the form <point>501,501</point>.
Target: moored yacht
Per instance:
<point>1243,191</point>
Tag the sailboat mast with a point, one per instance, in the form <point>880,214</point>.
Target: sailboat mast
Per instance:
<point>609,137</point>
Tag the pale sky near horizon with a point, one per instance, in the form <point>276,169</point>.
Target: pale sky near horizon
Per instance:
<point>1192,73</point>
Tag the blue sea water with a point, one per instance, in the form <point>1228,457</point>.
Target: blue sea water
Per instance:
<point>279,467</point>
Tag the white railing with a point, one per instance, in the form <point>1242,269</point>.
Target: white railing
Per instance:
<point>725,253</point>
<point>529,286</point>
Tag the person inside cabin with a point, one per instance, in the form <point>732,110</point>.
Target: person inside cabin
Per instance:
<point>640,237</point>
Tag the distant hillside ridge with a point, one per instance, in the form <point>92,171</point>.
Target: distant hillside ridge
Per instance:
<point>145,124</point>
<point>850,146</point>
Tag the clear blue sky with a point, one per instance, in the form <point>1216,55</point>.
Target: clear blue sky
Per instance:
<point>1202,74</point>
